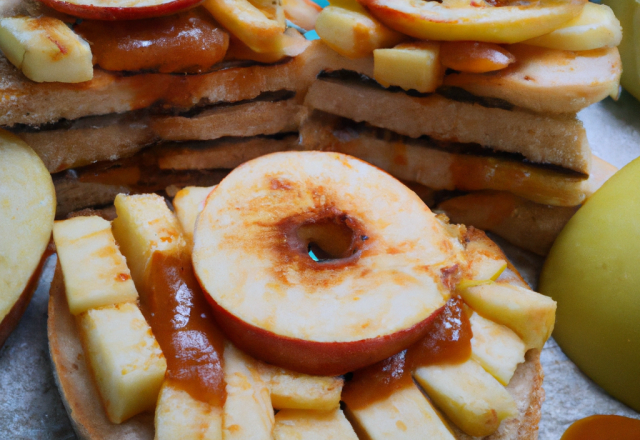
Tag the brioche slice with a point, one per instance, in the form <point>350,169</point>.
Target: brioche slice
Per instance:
<point>556,140</point>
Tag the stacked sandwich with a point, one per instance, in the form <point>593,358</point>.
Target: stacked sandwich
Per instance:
<point>472,96</point>
<point>475,102</point>
<point>89,95</point>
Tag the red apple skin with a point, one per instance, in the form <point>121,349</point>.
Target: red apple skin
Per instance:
<point>13,317</point>
<point>316,358</point>
<point>109,13</point>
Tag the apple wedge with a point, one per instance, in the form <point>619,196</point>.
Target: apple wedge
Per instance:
<point>594,28</point>
<point>119,9</point>
<point>529,314</point>
<point>188,203</point>
<point>296,424</point>
<point>282,247</point>
<point>248,413</point>
<point>28,205</point>
<point>45,49</point>
<point>303,13</point>
<point>496,347</point>
<point>456,21</point>
<point>468,395</point>
<point>248,23</point>
<point>292,390</point>
<point>125,358</point>
<point>404,414</point>
<point>180,416</point>
<point>104,278</point>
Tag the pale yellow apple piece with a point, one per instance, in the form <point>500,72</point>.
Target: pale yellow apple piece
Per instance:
<point>143,227</point>
<point>45,49</point>
<point>405,414</point>
<point>298,424</point>
<point>272,9</point>
<point>453,21</point>
<point>125,358</point>
<point>524,311</point>
<point>95,272</point>
<point>485,263</point>
<point>27,210</point>
<point>248,414</point>
<point>468,395</point>
<point>293,390</point>
<point>496,348</point>
<point>248,23</point>
<point>303,13</point>
<point>409,66</point>
<point>180,416</point>
<point>353,33</point>
<point>594,28</point>
<point>188,203</point>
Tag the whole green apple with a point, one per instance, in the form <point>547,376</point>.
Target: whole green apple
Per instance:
<point>628,12</point>
<point>593,272</point>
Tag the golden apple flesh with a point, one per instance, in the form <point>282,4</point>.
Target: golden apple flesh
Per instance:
<point>593,273</point>
<point>628,12</point>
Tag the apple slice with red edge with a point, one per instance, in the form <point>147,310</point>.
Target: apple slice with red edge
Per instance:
<point>120,9</point>
<point>321,263</point>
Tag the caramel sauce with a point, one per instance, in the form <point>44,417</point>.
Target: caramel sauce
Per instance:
<point>604,427</point>
<point>448,341</point>
<point>190,42</point>
<point>182,323</point>
<point>474,56</point>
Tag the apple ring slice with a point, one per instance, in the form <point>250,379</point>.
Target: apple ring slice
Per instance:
<point>492,21</point>
<point>321,263</point>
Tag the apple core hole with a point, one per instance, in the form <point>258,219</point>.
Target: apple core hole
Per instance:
<point>328,239</point>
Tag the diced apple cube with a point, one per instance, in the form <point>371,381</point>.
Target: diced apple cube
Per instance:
<point>468,395</point>
<point>354,33</point>
<point>180,416</point>
<point>595,27</point>
<point>125,358</point>
<point>485,260</point>
<point>297,424</point>
<point>293,390</point>
<point>529,314</point>
<point>144,225</point>
<point>188,203</point>
<point>496,347</point>
<point>45,49</point>
<point>411,66</point>
<point>248,414</point>
<point>405,414</point>
<point>95,272</point>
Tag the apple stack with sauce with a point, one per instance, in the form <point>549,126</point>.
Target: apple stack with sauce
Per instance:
<point>90,85</point>
<point>475,353</point>
<point>474,96</point>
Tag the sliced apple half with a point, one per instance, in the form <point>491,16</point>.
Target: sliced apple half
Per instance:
<point>321,263</point>
<point>493,22</point>
<point>27,209</point>
<point>119,9</point>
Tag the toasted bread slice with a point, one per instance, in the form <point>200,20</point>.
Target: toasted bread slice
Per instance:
<point>110,137</point>
<point>531,226</point>
<point>556,140</point>
<point>443,165</point>
<point>89,420</point>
